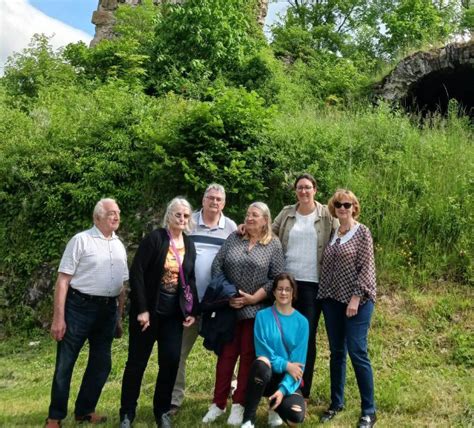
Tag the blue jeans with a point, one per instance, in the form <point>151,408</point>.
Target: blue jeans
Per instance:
<point>85,320</point>
<point>349,335</point>
<point>310,307</point>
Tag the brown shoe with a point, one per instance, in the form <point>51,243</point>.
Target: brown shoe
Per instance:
<point>52,423</point>
<point>174,409</point>
<point>92,418</point>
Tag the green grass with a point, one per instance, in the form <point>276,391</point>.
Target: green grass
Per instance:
<point>421,345</point>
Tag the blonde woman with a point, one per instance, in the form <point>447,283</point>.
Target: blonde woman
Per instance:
<point>249,261</point>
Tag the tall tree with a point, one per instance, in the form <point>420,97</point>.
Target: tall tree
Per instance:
<point>330,25</point>
<point>413,23</point>
<point>376,28</point>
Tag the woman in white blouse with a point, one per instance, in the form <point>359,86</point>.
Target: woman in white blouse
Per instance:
<point>304,230</point>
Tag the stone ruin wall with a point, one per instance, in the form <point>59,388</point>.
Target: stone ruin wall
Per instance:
<point>397,85</point>
<point>103,18</point>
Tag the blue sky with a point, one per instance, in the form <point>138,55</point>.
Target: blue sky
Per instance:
<point>76,13</point>
<point>64,21</point>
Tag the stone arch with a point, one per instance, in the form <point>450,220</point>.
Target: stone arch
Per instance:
<point>425,81</point>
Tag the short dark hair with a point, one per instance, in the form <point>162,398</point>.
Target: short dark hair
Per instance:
<point>308,177</point>
<point>281,277</point>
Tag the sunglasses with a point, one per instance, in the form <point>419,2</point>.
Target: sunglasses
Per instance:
<point>346,205</point>
<point>179,215</point>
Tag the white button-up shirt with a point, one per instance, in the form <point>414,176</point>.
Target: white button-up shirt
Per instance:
<point>98,265</point>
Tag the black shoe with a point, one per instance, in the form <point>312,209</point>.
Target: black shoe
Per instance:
<point>329,414</point>
<point>165,421</point>
<point>367,421</point>
<point>92,418</point>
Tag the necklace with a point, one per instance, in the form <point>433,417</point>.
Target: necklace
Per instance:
<point>341,232</point>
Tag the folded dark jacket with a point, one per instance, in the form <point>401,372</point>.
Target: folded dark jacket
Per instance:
<point>218,318</point>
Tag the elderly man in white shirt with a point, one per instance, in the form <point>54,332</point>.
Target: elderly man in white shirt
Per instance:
<point>86,301</point>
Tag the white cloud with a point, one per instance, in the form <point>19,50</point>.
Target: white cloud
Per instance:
<point>19,21</point>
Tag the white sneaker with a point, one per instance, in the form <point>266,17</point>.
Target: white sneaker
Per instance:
<point>233,387</point>
<point>248,424</point>
<point>212,414</point>
<point>274,419</point>
<point>236,416</point>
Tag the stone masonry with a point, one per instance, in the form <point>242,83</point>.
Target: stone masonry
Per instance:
<point>396,86</point>
<point>103,18</point>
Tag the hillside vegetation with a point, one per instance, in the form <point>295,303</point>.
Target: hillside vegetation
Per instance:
<point>186,95</point>
<point>194,93</point>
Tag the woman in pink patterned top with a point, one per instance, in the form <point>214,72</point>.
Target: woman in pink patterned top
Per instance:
<point>348,290</point>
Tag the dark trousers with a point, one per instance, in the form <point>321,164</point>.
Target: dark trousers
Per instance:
<point>311,308</point>
<point>242,348</point>
<point>264,382</point>
<point>85,320</point>
<point>168,332</point>
<point>349,335</point>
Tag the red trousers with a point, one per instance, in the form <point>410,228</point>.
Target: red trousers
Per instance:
<point>241,346</point>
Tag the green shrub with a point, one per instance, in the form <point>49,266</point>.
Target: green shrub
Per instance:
<point>413,182</point>
<point>223,140</point>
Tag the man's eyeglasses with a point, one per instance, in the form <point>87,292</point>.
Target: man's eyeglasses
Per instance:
<point>214,198</point>
<point>346,205</point>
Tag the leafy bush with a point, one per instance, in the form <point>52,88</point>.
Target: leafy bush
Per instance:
<point>143,118</point>
<point>413,182</point>
<point>221,140</point>
<point>73,148</point>
<point>200,40</point>
<point>36,67</point>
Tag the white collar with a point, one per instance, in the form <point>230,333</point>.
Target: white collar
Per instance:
<point>346,237</point>
<point>220,224</point>
<point>95,231</point>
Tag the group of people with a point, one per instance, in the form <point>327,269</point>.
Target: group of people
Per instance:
<point>255,292</point>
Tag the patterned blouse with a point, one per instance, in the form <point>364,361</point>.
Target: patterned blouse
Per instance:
<point>348,268</point>
<point>249,270</point>
<point>169,282</point>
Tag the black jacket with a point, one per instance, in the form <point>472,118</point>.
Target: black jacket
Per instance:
<point>147,270</point>
<point>218,318</point>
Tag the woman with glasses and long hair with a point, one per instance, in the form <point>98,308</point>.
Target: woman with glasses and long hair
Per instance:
<point>163,300</point>
<point>250,262</point>
<point>304,230</point>
<point>348,290</point>
<point>281,342</point>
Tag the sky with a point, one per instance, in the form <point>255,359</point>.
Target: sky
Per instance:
<point>67,21</point>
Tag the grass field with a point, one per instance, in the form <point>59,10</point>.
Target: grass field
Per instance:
<point>421,345</point>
